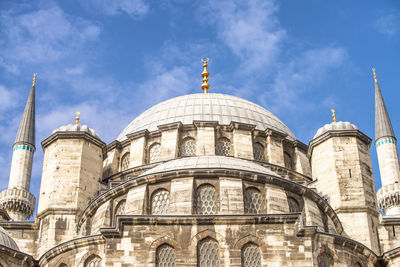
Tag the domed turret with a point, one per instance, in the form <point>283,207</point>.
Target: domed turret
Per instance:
<point>72,170</point>
<point>341,167</point>
<point>335,126</point>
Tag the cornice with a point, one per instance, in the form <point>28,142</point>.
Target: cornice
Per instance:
<point>337,133</point>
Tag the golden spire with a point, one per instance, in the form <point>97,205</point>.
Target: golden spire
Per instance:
<point>77,117</point>
<point>34,79</point>
<point>205,86</point>
<point>376,80</point>
<point>333,115</point>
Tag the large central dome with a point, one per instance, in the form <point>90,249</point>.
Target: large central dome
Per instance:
<point>206,107</point>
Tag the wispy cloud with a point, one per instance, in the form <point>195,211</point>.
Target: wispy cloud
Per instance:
<point>44,35</point>
<point>388,22</point>
<point>302,73</point>
<point>133,8</point>
<point>250,29</point>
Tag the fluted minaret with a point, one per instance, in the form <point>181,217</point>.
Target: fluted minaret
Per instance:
<point>386,148</point>
<point>17,200</point>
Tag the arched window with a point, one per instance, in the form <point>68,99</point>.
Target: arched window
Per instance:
<point>120,208</point>
<point>165,256</point>
<point>288,160</point>
<point>93,261</point>
<point>206,200</point>
<point>125,162</point>
<point>160,202</point>
<point>253,203</point>
<point>259,152</point>
<point>154,153</point>
<point>324,260</point>
<point>61,265</point>
<point>293,205</point>
<point>188,147</point>
<point>251,256</point>
<point>223,147</point>
<point>357,264</point>
<point>207,253</point>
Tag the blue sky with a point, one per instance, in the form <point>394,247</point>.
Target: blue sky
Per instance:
<point>112,59</point>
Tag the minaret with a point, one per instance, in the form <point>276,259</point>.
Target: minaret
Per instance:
<point>386,148</point>
<point>17,200</point>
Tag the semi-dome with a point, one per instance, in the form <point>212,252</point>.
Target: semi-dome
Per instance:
<point>335,126</point>
<point>76,128</point>
<point>221,108</point>
<point>6,240</point>
<point>209,162</point>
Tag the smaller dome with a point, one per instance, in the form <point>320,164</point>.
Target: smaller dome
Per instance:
<point>6,240</point>
<point>76,128</point>
<point>209,162</point>
<point>336,126</point>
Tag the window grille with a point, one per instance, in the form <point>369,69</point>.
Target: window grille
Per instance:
<point>160,202</point>
<point>188,147</point>
<point>253,203</point>
<point>93,261</point>
<point>259,152</point>
<point>125,162</point>
<point>206,200</point>
<point>251,256</point>
<point>120,209</point>
<point>223,147</point>
<point>208,253</point>
<point>293,205</point>
<point>154,153</point>
<point>165,256</point>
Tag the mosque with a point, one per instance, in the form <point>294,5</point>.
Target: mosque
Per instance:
<point>203,180</point>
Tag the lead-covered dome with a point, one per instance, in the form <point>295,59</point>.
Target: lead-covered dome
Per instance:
<point>335,126</point>
<point>206,107</point>
<point>6,240</point>
<point>76,128</point>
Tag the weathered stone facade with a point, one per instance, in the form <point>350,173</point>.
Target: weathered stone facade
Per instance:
<point>198,190</point>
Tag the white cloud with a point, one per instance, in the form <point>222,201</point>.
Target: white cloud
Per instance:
<point>8,99</point>
<point>40,36</point>
<point>301,73</point>
<point>133,8</point>
<point>388,22</point>
<point>249,28</point>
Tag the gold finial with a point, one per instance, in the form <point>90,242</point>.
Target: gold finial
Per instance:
<point>333,115</point>
<point>205,86</point>
<point>373,70</point>
<point>77,117</point>
<point>34,79</point>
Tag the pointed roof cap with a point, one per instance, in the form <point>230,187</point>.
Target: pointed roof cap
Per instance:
<point>383,126</point>
<point>26,130</point>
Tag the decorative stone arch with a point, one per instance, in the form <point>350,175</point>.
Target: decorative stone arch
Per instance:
<point>90,253</point>
<point>162,240</point>
<point>250,239</point>
<point>167,239</point>
<point>324,249</point>
<point>207,233</point>
<point>61,261</point>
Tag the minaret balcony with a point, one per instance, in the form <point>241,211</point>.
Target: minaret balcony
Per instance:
<point>18,201</point>
<point>389,196</point>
